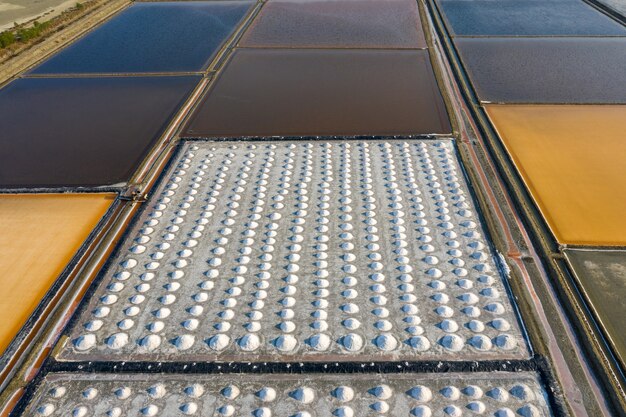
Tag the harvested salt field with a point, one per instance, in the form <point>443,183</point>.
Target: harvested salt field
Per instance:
<point>257,395</point>
<point>315,208</point>
<point>326,263</point>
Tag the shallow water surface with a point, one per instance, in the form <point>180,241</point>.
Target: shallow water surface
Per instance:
<point>572,160</point>
<point>602,275</point>
<point>83,131</point>
<point>151,37</point>
<point>546,70</point>
<point>40,235</point>
<point>528,18</point>
<point>337,24</point>
<point>322,92</point>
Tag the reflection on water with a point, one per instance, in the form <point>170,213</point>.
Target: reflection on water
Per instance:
<point>546,70</point>
<point>527,18</point>
<point>314,92</point>
<point>602,275</point>
<point>84,131</point>
<point>340,23</point>
<point>152,37</point>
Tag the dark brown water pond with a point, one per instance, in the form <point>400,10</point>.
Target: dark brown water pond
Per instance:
<point>337,24</point>
<point>85,131</point>
<point>286,92</point>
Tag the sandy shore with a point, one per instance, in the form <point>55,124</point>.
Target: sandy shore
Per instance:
<point>22,11</point>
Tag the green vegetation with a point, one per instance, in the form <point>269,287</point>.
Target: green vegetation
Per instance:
<point>23,35</point>
<point>26,34</point>
<point>6,38</point>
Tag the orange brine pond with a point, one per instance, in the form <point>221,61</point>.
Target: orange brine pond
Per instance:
<point>41,233</point>
<point>572,160</point>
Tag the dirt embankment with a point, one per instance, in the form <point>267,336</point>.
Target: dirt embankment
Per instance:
<point>62,32</point>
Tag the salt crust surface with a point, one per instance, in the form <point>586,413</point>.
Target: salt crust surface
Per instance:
<point>503,394</point>
<point>309,251</point>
